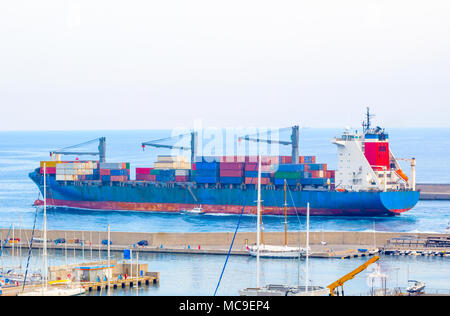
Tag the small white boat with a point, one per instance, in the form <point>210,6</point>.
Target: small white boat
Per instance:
<point>194,211</point>
<point>55,291</point>
<point>416,287</point>
<point>285,290</point>
<point>273,251</point>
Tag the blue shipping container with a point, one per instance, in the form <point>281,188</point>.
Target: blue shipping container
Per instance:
<point>205,179</point>
<point>206,165</point>
<point>106,178</point>
<point>207,173</point>
<point>288,181</point>
<point>231,180</point>
<point>290,167</point>
<point>315,166</point>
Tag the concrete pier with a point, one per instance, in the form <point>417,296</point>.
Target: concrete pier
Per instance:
<point>323,244</point>
<point>430,191</point>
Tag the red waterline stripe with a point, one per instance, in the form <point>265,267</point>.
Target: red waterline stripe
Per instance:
<point>220,209</point>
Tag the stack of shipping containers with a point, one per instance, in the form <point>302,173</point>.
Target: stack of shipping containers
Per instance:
<point>144,174</point>
<point>206,170</point>
<point>114,172</point>
<point>71,170</point>
<point>166,169</point>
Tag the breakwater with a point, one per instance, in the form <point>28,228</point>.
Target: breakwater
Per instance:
<point>429,191</point>
<point>205,241</point>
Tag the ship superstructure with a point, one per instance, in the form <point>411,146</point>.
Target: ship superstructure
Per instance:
<point>366,163</point>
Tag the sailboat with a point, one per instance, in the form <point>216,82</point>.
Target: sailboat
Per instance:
<point>277,289</point>
<point>68,289</point>
<point>278,251</point>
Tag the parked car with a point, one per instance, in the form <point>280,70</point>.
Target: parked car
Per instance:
<point>60,241</point>
<point>143,243</point>
<point>105,242</point>
<point>12,240</point>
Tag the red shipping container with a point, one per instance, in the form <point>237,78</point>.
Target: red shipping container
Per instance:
<point>232,159</point>
<point>231,166</point>
<point>266,160</point>
<point>231,173</point>
<point>143,170</point>
<point>181,178</point>
<point>145,177</point>
<point>286,159</point>
<point>251,166</point>
<point>330,173</point>
<point>264,168</point>
<point>49,170</point>
<point>194,166</point>
<point>251,158</point>
<point>105,172</point>
<point>255,180</point>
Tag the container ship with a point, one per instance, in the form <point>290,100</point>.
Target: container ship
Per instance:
<point>367,182</point>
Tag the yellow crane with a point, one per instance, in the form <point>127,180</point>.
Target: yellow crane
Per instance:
<point>340,282</point>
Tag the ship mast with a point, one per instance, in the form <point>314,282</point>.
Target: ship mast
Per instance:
<point>258,208</point>
<point>366,123</point>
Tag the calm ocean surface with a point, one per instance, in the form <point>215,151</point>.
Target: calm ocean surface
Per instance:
<point>20,153</point>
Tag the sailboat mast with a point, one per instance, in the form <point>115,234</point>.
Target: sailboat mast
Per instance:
<point>44,251</point>
<point>109,262</point>
<point>285,214</point>
<point>307,247</point>
<point>258,210</point>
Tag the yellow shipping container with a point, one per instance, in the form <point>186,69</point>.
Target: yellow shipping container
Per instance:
<point>49,164</point>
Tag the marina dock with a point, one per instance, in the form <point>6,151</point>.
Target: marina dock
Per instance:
<point>92,276</point>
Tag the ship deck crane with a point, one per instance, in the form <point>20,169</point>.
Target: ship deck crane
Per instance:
<point>67,150</point>
<point>295,135</point>
<point>340,282</point>
<point>193,148</point>
<point>412,181</point>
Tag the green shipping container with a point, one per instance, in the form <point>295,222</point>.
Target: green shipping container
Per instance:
<point>288,175</point>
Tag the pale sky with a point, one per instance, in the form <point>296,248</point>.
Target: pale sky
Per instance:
<point>97,64</point>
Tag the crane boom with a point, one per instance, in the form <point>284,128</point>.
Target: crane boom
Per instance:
<point>294,141</point>
<point>101,149</point>
<point>351,275</point>
<point>193,148</point>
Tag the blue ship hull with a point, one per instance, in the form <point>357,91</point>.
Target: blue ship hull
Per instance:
<point>160,197</point>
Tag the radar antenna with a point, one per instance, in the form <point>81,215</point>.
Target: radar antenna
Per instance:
<point>366,123</point>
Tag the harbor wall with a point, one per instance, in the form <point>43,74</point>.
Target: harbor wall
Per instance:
<point>216,240</point>
<point>432,191</point>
